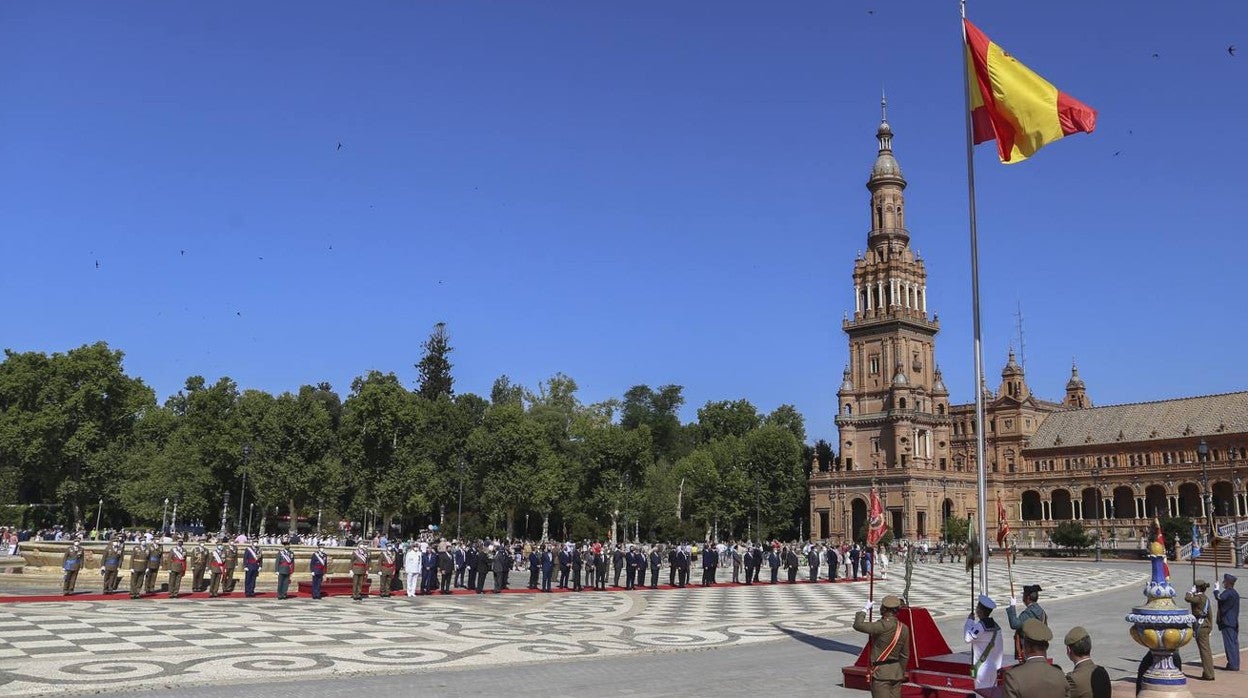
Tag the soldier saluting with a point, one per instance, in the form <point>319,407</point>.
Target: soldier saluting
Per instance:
<point>890,648</point>
<point>114,554</point>
<point>72,563</point>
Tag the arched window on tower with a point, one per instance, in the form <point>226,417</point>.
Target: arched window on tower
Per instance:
<point>901,403</point>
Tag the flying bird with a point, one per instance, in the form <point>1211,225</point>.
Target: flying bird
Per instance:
<point>339,146</point>
<point>1156,55</point>
<point>870,12</point>
<point>97,264</point>
<point>1117,153</point>
<point>183,253</point>
<point>1231,50</point>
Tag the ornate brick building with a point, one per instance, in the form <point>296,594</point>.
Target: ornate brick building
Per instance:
<point>1046,460</point>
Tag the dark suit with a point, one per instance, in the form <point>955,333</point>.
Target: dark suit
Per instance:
<point>655,561</point>
<point>565,568</point>
<point>812,560</point>
<point>617,565</point>
<point>535,568</point>
<point>502,563</point>
<point>773,561</point>
<point>547,562</point>
<point>446,569</point>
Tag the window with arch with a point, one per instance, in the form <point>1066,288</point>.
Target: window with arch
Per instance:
<point>849,409</point>
<point>901,403</point>
<point>940,410</point>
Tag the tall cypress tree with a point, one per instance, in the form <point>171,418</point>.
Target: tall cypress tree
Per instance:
<point>435,367</point>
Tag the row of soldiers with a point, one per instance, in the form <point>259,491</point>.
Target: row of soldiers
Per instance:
<point>220,561</point>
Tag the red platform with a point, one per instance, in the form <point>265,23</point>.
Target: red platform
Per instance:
<point>933,669</point>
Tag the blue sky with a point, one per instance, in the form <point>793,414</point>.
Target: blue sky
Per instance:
<point>642,192</point>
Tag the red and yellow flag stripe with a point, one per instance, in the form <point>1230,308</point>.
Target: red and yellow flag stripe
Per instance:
<point>1013,105</point>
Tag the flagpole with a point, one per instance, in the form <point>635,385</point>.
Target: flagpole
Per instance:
<point>981,483</point>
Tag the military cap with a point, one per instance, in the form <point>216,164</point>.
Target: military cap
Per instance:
<point>890,601</point>
<point>1036,631</point>
<point>1201,584</point>
<point>1228,578</point>
<point>987,602</point>
<point>1032,589</point>
<point>1076,634</point>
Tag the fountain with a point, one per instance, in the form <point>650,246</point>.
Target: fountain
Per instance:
<point>1162,627</point>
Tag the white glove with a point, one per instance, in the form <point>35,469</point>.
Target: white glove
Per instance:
<point>1013,601</point>
<point>867,607</point>
<point>1192,590</point>
<point>1217,587</point>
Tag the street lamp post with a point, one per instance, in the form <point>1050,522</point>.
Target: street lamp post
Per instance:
<point>1239,562</point>
<point>1202,453</point>
<point>944,516</point>
<point>319,510</point>
<point>163,512</point>
<point>99,510</point>
<point>459,516</point>
<point>1096,470</point>
<point>251,511</point>
<point>225,507</point>
<point>242,491</point>
<point>173,520</point>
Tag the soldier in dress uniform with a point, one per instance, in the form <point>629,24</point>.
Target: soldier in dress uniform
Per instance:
<point>1034,676</point>
<point>1086,679</point>
<point>231,562</point>
<point>656,560</point>
<point>987,643</point>
<point>284,565</point>
<point>75,558</point>
<point>216,563</point>
<point>177,567</point>
<point>138,569</point>
<point>155,552</point>
<point>318,566</point>
<point>1198,599</point>
<point>199,561</point>
<point>1031,598</point>
<point>253,560</point>
<point>890,648</point>
<point>386,564</point>
<point>114,555</point>
<point>359,570</point>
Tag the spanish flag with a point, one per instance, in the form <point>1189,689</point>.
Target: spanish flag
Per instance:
<point>1016,107</point>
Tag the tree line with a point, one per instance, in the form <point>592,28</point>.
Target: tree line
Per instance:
<point>76,430</point>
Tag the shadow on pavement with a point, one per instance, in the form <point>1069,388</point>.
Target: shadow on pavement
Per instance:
<point>821,643</point>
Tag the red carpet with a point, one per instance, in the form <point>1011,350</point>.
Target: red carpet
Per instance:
<point>122,595</point>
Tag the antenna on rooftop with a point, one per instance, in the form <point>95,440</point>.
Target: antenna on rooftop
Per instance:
<point>1022,347</point>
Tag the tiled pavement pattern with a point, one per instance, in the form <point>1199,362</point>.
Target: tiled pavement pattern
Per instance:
<point>124,644</point>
